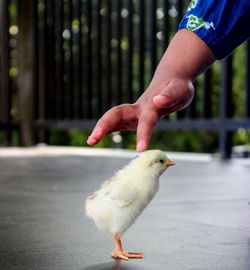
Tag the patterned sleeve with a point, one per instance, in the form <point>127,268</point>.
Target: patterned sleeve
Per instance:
<point>222,24</point>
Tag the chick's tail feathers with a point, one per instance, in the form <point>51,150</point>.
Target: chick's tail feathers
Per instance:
<point>89,206</point>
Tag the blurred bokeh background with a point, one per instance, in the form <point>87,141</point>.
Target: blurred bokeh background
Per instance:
<point>64,63</point>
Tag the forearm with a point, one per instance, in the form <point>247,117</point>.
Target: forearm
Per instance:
<point>187,56</point>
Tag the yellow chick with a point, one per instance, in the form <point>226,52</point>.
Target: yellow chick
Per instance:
<point>120,200</point>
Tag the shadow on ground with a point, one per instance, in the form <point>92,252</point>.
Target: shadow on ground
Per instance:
<point>116,265</point>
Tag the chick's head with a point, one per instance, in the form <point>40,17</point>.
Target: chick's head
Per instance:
<point>154,162</point>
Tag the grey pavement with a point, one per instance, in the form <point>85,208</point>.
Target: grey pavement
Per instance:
<point>200,218</point>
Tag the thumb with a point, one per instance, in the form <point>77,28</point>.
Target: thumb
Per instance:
<point>176,92</point>
<point>163,100</point>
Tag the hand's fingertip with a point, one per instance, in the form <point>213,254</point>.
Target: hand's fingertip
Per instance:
<point>91,141</point>
<point>162,101</point>
<point>141,146</point>
<point>95,136</point>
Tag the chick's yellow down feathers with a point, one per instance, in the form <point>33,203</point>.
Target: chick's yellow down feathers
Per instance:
<point>116,204</point>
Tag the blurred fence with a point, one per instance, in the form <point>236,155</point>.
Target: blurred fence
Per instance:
<point>64,63</point>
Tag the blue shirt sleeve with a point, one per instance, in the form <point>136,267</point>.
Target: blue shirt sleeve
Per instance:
<point>222,24</point>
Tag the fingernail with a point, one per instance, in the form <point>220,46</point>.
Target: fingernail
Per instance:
<point>89,140</point>
<point>162,101</point>
<point>92,141</point>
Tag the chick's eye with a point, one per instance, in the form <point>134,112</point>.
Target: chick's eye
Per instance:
<point>161,161</point>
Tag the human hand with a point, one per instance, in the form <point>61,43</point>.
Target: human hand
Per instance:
<point>170,90</point>
<point>160,99</point>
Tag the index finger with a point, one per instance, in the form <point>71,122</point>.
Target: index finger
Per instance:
<point>144,130</point>
<point>106,122</point>
<point>117,118</point>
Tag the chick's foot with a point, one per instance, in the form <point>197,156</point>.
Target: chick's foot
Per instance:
<point>120,253</point>
<point>134,255</point>
<point>125,255</point>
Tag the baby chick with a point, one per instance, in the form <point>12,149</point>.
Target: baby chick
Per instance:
<point>120,200</point>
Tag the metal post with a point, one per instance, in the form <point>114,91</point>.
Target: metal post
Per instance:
<point>99,61</point>
<point>130,51</point>
<point>141,48</point>
<point>226,108</point>
<point>42,72</point>
<point>5,82</point>
<point>26,47</point>
<point>248,79</point>
<point>153,37</point>
<point>206,97</point>
<point>180,12</point>
<point>166,25</point>
<point>35,80</point>
<point>89,60</point>
<point>60,65</point>
<point>79,113</point>
<point>119,54</point>
<point>71,63</point>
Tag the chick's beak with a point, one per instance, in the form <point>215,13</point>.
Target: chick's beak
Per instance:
<point>169,163</point>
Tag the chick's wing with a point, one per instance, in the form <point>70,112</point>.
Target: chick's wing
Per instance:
<point>118,191</point>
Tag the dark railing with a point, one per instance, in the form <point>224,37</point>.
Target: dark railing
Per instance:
<point>89,55</point>
<point>5,97</point>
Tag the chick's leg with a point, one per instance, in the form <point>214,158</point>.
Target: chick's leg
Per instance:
<point>120,253</point>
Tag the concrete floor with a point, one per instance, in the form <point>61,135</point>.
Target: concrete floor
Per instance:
<point>200,219</point>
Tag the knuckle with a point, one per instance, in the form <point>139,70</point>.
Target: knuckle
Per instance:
<point>185,90</point>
